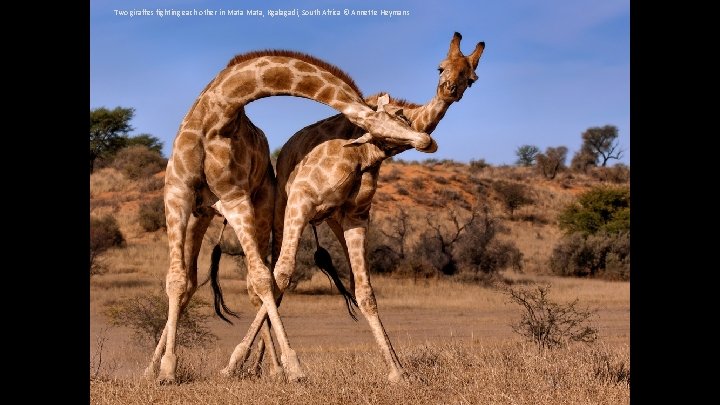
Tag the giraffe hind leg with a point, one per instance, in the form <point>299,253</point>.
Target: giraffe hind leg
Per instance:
<point>240,214</point>
<point>197,226</point>
<point>355,237</point>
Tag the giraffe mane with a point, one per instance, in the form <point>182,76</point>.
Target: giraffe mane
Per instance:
<point>334,70</point>
<point>396,102</point>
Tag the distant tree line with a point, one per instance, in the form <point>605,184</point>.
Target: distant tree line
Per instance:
<point>599,146</point>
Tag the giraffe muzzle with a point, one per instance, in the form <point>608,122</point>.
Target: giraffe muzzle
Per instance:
<point>425,144</point>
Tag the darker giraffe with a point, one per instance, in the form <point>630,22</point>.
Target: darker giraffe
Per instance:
<point>320,178</point>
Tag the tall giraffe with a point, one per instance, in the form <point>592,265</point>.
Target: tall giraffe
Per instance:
<point>221,160</point>
<point>320,179</point>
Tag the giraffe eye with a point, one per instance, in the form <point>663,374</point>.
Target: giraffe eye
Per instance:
<point>470,82</point>
<point>440,70</point>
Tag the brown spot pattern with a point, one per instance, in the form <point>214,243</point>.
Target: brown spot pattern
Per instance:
<point>309,85</point>
<point>304,67</point>
<point>277,78</point>
<point>239,84</point>
<point>326,95</point>
<point>319,63</point>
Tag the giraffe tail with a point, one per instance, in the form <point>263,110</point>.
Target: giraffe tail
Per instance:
<point>219,302</point>
<point>324,262</point>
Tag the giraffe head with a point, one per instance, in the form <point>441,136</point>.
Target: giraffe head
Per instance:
<point>457,71</point>
<point>394,131</point>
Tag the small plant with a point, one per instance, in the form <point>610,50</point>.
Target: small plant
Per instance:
<point>549,324</point>
<point>418,183</point>
<point>151,184</point>
<point>402,190</point>
<point>147,314</point>
<point>100,368</point>
<point>393,175</point>
<point>138,161</point>
<point>512,195</point>
<point>152,215</point>
<point>477,165</point>
<point>608,369</point>
<point>441,180</point>
<point>104,234</point>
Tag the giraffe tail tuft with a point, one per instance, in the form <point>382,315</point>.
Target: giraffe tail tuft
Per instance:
<point>324,262</point>
<point>217,291</point>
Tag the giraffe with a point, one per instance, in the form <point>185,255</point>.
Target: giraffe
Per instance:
<point>319,178</point>
<point>220,163</point>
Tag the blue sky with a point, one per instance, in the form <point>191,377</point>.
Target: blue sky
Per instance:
<point>550,70</point>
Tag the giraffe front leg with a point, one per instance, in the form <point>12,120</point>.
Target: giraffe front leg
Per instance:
<point>242,350</point>
<point>240,214</point>
<point>264,203</point>
<point>355,238</point>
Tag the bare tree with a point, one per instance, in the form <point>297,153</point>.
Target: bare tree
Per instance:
<point>398,231</point>
<point>436,245</point>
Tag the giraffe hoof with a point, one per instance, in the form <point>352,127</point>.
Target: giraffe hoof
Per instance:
<point>227,372</point>
<point>276,372</point>
<point>166,380</point>
<point>167,370</point>
<point>397,377</point>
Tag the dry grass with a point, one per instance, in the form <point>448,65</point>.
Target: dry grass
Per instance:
<point>107,180</point>
<point>441,373</point>
<point>453,339</point>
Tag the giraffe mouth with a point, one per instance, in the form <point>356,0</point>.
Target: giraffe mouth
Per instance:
<point>426,145</point>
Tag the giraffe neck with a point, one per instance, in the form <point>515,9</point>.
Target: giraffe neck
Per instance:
<point>426,117</point>
<point>272,75</point>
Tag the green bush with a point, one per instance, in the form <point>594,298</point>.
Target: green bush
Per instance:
<point>151,216</point>
<point>601,255</point>
<point>138,161</point>
<point>104,234</point>
<point>601,209</point>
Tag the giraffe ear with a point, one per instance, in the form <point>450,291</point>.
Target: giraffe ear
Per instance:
<point>382,101</point>
<point>367,137</point>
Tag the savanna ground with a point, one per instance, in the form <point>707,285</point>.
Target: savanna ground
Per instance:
<point>454,339</point>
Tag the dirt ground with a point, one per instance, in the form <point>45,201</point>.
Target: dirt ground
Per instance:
<point>432,311</point>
